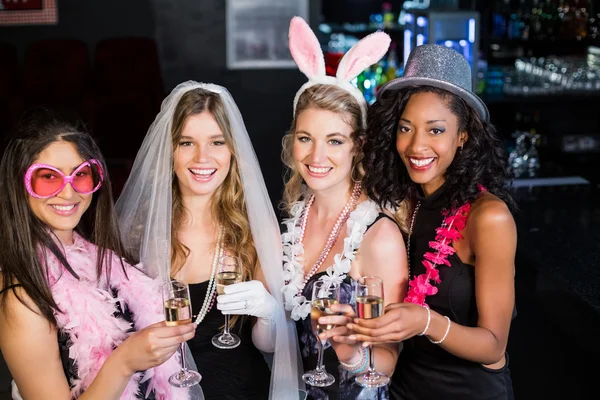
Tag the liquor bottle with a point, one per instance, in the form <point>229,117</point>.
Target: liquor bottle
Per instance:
<point>392,63</point>
<point>499,19</point>
<point>387,14</point>
<point>526,20</point>
<point>515,24</point>
<point>580,19</point>
<point>536,30</point>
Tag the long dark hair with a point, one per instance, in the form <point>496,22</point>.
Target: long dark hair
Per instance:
<point>22,233</point>
<point>480,162</point>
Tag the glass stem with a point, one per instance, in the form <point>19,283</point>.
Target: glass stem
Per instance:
<point>320,356</point>
<point>226,330</point>
<point>183,364</point>
<point>371,360</point>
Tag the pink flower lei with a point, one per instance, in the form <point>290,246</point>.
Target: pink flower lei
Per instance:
<point>420,287</point>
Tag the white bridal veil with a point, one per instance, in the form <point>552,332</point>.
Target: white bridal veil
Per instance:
<point>144,210</point>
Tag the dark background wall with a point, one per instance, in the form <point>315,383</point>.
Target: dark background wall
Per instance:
<point>89,21</point>
<point>191,39</point>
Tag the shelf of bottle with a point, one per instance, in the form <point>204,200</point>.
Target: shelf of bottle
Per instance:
<point>541,98</point>
<point>360,29</point>
<point>551,44</point>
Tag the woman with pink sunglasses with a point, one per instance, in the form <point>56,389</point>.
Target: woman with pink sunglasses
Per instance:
<point>77,320</point>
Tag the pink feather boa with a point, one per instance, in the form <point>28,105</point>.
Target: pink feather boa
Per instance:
<point>88,318</point>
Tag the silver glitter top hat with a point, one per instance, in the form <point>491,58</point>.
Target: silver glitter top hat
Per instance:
<point>441,67</point>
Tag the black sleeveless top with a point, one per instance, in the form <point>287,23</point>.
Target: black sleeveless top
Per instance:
<point>425,370</point>
<point>234,374</point>
<point>344,387</point>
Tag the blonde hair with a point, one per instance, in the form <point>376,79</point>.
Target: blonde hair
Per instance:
<point>228,202</point>
<point>330,98</point>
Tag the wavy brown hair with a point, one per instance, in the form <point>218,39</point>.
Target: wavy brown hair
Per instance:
<point>330,98</point>
<point>228,203</point>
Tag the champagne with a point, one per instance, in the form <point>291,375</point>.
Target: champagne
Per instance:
<point>369,307</point>
<point>226,279</point>
<point>321,307</point>
<point>178,311</point>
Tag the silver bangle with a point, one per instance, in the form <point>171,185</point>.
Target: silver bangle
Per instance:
<point>428,321</point>
<point>356,364</point>
<point>445,334</point>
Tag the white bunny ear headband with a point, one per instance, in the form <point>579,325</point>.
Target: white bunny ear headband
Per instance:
<point>307,53</point>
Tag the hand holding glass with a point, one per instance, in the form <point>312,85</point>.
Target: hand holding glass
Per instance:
<point>178,311</point>
<point>324,295</point>
<point>229,272</point>
<point>369,304</point>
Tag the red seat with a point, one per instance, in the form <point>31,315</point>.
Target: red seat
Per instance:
<point>59,72</point>
<point>129,64</point>
<point>129,92</point>
<point>120,124</point>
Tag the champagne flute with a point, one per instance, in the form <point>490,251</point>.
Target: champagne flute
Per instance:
<point>369,304</point>
<point>324,295</point>
<point>178,311</point>
<point>229,272</point>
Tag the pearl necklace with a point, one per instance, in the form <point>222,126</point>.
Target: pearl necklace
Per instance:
<point>335,232</point>
<point>412,223</point>
<point>212,286</point>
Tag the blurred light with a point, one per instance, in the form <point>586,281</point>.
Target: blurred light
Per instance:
<point>409,19</point>
<point>407,44</point>
<point>367,83</point>
<point>325,28</point>
<point>463,43</point>
<point>420,39</point>
<point>472,30</point>
<point>448,43</point>
<point>422,22</point>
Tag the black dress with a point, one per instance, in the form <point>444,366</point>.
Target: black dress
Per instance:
<point>424,370</point>
<point>235,374</point>
<point>345,387</point>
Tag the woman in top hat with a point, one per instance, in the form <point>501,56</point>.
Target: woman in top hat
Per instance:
<point>432,151</point>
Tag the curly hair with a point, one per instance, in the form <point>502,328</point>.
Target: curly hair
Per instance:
<point>480,162</point>
<point>330,98</point>
<point>228,202</point>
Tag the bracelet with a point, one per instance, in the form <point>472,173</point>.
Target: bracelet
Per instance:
<point>428,321</point>
<point>364,365</point>
<point>445,334</point>
<point>349,367</point>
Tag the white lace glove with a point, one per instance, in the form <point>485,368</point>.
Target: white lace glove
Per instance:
<point>251,298</point>
<point>247,298</point>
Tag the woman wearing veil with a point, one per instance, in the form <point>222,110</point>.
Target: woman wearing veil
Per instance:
<point>195,192</point>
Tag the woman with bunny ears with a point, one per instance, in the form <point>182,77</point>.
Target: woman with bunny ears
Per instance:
<point>324,197</point>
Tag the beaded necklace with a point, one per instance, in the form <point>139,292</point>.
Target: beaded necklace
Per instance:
<point>335,232</point>
<point>212,287</point>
